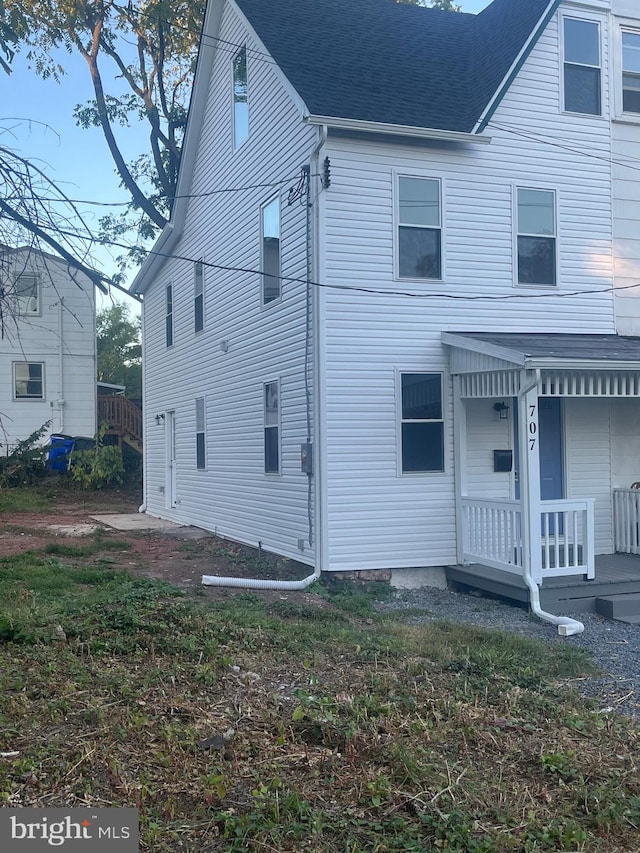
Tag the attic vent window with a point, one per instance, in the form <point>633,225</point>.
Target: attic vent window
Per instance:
<point>631,72</point>
<point>240,98</point>
<point>582,67</point>
<point>27,295</point>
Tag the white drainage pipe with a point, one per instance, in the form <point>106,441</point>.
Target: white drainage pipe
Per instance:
<point>257,583</point>
<point>566,626</point>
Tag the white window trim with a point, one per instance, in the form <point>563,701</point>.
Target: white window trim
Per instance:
<point>168,314</point>
<point>516,234</point>
<point>266,305</point>
<point>203,432</point>
<point>200,261</point>
<point>396,175</point>
<point>619,116</point>
<point>35,276</point>
<point>238,145</point>
<point>444,396</point>
<point>591,20</point>
<point>277,473</point>
<point>18,399</point>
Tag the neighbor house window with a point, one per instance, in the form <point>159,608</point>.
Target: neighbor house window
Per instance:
<point>168,322</point>
<point>631,72</point>
<point>582,67</point>
<point>536,236</point>
<point>27,294</point>
<point>272,428</point>
<point>28,380</point>
<point>201,450</point>
<point>271,251</point>
<point>198,295</point>
<point>422,422</point>
<point>419,228</point>
<point>240,99</point>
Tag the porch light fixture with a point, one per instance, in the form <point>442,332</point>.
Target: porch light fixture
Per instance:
<point>159,419</point>
<point>502,409</point>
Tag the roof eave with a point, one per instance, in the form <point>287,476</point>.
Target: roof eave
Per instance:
<point>386,129</point>
<point>483,348</point>
<point>559,363</point>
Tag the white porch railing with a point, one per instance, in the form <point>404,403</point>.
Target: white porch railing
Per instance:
<point>626,524</point>
<point>492,536</point>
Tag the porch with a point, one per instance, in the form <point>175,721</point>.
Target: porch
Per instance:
<point>564,411</point>
<point>614,592</point>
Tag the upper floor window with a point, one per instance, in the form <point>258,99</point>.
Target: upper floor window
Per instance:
<point>272,427</point>
<point>631,72</point>
<point>27,294</point>
<point>419,228</point>
<point>582,67</point>
<point>240,98</point>
<point>201,449</point>
<point>271,251</point>
<point>422,422</point>
<point>168,320</point>
<point>198,295</point>
<point>536,236</point>
<point>28,380</point>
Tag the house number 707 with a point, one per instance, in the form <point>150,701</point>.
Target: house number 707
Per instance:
<point>533,427</point>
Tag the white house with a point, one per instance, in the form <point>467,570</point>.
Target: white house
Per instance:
<point>47,347</point>
<point>389,324</point>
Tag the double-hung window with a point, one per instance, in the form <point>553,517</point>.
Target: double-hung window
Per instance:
<point>422,422</point>
<point>582,86</point>
<point>27,294</point>
<point>28,380</point>
<point>419,228</point>
<point>168,317</point>
<point>630,72</point>
<point>536,239</point>
<point>201,448</point>
<point>240,98</point>
<point>272,427</point>
<point>271,251</point>
<point>198,295</point>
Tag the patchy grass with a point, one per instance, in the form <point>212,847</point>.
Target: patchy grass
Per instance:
<point>244,725</point>
<point>25,499</point>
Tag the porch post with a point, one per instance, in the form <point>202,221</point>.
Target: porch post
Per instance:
<point>460,464</point>
<point>530,481</point>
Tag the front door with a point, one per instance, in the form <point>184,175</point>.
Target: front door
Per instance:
<point>551,448</point>
<point>170,439</point>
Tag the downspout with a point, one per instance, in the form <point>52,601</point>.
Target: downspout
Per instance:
<point>61,400</point>
<point>566,626</point>
<point>291,586</point>
<point>143,505</point>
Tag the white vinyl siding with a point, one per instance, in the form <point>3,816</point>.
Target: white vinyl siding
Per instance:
<point>582,67</point>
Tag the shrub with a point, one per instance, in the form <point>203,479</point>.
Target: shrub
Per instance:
<point>98,468</point>
<point>27,462</point>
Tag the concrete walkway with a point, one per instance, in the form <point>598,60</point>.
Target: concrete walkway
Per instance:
<point>136,521</point>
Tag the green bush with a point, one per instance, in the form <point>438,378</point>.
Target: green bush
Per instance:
<point>27,462</point>
<point>99,468</point>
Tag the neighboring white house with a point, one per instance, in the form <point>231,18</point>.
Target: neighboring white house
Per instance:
<point>380,330</point>
<point>47,347</point>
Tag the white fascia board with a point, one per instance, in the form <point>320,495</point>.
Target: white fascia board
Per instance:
<point>380,127</point>
<point>551,363</point>
<point>483,348</point>
<point>173,230</point>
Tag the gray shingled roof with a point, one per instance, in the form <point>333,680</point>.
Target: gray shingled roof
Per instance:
<point>382,61</point>
<point>562,346</point>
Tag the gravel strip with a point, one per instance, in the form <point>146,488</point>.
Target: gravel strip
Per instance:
<point>613,646</point>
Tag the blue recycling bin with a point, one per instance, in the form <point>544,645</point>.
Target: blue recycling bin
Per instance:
<point>60,447</point>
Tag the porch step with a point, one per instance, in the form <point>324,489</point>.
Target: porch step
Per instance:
<point>623,608</point>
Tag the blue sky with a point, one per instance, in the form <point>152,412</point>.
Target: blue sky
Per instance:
<point>37,121</point>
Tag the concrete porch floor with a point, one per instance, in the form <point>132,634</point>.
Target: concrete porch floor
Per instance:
<point>616,575</point>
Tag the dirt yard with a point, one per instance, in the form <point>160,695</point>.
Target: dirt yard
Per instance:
<point>180,557</point>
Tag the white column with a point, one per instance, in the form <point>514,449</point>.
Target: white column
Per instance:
<point>460,462</point>
<point>530,482</point>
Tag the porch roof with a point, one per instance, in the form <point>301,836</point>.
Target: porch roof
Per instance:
<point>555,351</point>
